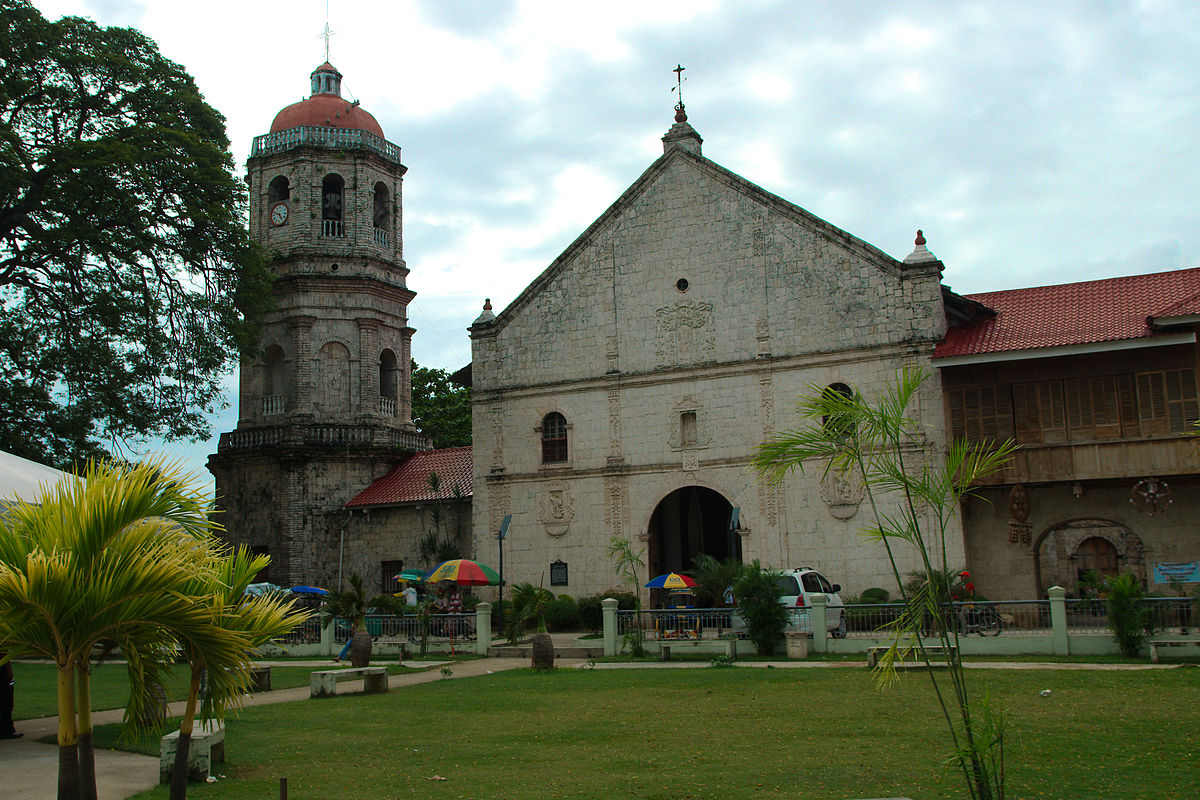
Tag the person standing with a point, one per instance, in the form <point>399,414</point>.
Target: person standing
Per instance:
<point>7,685</point>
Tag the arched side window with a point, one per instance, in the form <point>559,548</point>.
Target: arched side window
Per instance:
<point>275,380</point>
<point>388,371</point>
<point>839,424</point>
<point>554,438</point>
<point>381,213</point>
<point>333,190</point>
<point>278,190</point>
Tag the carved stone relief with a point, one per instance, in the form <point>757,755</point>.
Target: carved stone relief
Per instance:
<point>1019,529</point>
<point>842,490</point>
<point>684,333</point>
<point>556,505</point>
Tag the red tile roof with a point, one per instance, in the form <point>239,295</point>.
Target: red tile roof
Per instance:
<point>408,482</point>
<point>1074,313</point>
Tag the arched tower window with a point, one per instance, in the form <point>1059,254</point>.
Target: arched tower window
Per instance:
<point>327,81</point>
<point>279,189</point>
<point>388,372</point>
<point>275,380</point>
<point>382,208</point>
<point>333,190</point>
<point>554,438</point>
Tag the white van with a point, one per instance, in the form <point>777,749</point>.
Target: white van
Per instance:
<point>798,586</point>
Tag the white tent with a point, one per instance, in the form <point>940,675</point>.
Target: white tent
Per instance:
<point>22,479</point>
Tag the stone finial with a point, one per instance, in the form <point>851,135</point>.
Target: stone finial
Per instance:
<point>920,253</point>
<point>487,315</point>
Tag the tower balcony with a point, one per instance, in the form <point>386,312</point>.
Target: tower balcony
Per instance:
<point>324,138</point>
<point>320,435</point>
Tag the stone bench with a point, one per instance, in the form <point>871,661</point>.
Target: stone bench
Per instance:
<point>206,749</point>
<point>947,655</point>
<point>324,683</point>
<point>1157,643</point>
<point>726,647</point>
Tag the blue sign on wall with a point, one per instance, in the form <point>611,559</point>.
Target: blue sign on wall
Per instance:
<point>1180,571</point>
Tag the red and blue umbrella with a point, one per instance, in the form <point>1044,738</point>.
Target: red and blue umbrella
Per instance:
<point>464,572</point>
<point>672,580</point>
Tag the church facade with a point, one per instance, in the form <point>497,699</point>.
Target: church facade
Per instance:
<point>622,394</point>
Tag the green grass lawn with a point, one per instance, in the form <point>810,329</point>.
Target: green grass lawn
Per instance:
<point>816,734</point>
<point>36,689</point>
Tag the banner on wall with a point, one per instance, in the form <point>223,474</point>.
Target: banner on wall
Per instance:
<point>1178,571</point>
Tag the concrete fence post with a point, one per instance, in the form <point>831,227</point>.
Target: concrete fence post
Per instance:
<point>327,644</point>
<point>483,628</point>
<point>818,618</point>
<point>609,609</point>
<point>1058,620</point>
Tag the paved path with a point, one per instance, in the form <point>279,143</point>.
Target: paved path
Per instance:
<point>29,769</point>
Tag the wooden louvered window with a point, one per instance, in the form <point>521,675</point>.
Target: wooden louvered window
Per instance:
<point>981,413</point>
<point>1093,408</point>
<point>1039,414</point>
<point>1152,402</point>
<point>1183,408</point>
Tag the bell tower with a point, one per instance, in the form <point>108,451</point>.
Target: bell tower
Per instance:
<point>324,406</point>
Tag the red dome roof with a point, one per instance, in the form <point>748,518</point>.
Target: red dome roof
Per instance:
<point>326,110</point>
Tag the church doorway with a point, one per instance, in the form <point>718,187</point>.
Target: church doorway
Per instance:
<point>687,522</point>
<point>1075,554</point>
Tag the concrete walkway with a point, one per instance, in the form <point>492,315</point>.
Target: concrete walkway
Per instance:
<point>29,769</point>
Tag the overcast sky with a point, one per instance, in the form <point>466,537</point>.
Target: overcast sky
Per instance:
<point>1034,142</point>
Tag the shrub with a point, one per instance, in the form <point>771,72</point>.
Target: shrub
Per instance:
<point>562,614</point>
<point>1127,614</point>
<point>591,613</point>
<point>757,593</point>
<point>874,595</point>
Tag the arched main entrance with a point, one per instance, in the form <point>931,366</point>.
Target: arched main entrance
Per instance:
<point>1065,553</point>
<point>687,522</point>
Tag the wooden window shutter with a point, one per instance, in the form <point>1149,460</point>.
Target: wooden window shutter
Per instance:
<point>1152,405</point>
<point>1105,407</point>
<point>1026,417</point>
<point>1181,399</point>
<point>1128,403</point>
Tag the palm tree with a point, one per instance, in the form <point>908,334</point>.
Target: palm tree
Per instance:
<point>713,578</point>
<point>256,619</point>
<point>103,559</point>
<point>353,604</point>
<point>529,604</point>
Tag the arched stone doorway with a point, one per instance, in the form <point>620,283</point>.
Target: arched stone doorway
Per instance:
<point>1065,552</point>
<point>687,522</point>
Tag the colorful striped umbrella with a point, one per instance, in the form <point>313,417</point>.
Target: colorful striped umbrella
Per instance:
<point>672,580</point>
<point>464,572</point>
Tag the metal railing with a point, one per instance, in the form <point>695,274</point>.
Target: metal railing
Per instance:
<point>326,138</point>
<point>408,626</point>
<point>1171,615</point>
<point>307,632</point>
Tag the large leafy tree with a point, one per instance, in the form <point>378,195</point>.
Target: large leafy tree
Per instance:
<point>441,409</point>
<point>126,273</point>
